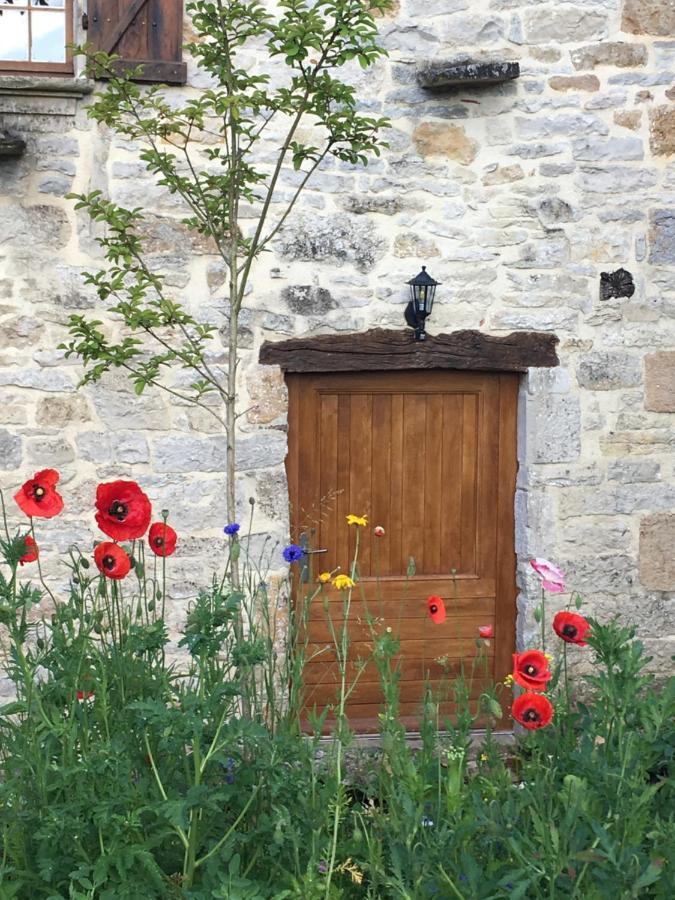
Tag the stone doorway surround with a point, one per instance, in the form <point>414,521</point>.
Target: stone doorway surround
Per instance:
<point>531,353</point>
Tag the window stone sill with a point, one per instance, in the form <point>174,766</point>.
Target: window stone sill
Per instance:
<point>44,86</point>
<point>40,95</point>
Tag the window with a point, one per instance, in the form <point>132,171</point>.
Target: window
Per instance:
<point>34,35</point>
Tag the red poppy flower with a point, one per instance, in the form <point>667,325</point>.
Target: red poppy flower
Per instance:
<point>85,695</point>
<point>111,560</point>
<point>162,539</point>
<point>123,510</point>
<point>31,553</point>
<point>486,631</point>
<point>571,627</point>
<point>38,496</point>
<point>436,609</point>
<point>532,710</point>
<point>530,670</point>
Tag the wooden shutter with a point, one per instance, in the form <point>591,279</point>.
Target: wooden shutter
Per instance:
<point>141,32</point>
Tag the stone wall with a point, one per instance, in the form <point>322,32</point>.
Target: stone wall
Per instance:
<point>518,197</point>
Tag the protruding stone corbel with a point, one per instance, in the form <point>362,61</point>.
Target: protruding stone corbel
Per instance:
<point>465,71</point>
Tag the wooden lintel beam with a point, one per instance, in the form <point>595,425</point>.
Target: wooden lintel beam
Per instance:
<point>384,350</point>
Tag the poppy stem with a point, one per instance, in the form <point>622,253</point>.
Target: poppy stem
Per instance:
<point>341,653</point>
<point>40,575</point>
<point>4,516</point>
<point>543,621</point>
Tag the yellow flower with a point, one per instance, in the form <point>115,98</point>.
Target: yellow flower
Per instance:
<point>325,577</point>
<point>357,520</point>
<point>483,757</point>
<point>342,582</point>
<point>508,681</point>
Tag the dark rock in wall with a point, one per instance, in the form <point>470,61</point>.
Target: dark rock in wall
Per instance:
<point>616,284</point>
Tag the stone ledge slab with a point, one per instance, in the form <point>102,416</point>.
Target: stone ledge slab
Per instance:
<point>437,75</point>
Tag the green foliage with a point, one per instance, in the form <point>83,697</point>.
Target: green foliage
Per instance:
<point>124,775</point>
<point>208,150</point>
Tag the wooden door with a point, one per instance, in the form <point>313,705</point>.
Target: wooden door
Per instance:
<point>431,457</point>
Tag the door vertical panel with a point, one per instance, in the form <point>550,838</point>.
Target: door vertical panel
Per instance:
<point>380,509</point>
<point>360,437</point>
<point>327,536</point>
<point>469,481</point>
<point>451,501</point>
<point>395,524</point>
<point>433,510</point>
<point>344,467</point>
<point>412,489</point>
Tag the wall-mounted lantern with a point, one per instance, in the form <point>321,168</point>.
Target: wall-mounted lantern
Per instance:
<point>422,293</point>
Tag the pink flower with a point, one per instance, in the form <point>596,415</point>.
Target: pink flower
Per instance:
<point>378,531</point>
<point>552,578</point>
<point>486,631</point>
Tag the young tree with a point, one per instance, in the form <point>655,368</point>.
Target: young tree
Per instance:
<point>313,39</point>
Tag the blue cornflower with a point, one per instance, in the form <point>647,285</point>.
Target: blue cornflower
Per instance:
<point>293,553</point>
<point>229,770</point>
<point>232,528</point>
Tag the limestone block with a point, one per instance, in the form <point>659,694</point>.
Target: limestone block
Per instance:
<point>414,245</point>
<point>555,428</point>
<point>604,574</point>
<point>617,500</point>
<point>164,235</point>
<point>336,239</point>
<point>51,381</point>
<point>563,123</point>
<point>615,180</point>
<point>44,452</point>
<point>608,371</point>
<point>660,381</point>
<point>118,408</point>
<point>610,534</point>
<point>21,225</point>
<point>657,560</point>
<point>609,53</point>
<point>503,175</point>
<point>10,450</point>
<point>272,494</point>
<point>55,185</point>
<point>549,253</point>
<point>564,23</point>
<point>361,204</point>
<point>633,471</point>
<point>20,331</point>
<point>662,130</point>
<point>592,149</point>
<point>662,237</point>
<point>307,299</point>
<point>443,139</point>
<point>574,83</point>
<point>536,151</point>
<point>189,454</point>
<point>649,17</point>
<point>628,118</point>
<point>268,396</point>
